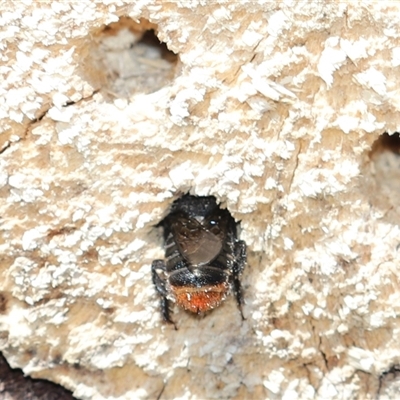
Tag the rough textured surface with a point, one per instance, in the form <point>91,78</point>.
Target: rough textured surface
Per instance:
<point>273,109</point>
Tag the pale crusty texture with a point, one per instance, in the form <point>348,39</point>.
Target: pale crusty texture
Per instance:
<point>273,108</point>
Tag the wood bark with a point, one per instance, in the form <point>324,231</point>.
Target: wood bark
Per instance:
<point>286,112</point>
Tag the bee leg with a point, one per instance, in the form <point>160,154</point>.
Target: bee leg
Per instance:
<point>158,270</point>
<point>238,267</point>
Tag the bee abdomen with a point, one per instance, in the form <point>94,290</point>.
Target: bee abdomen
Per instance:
<point>198,276</point>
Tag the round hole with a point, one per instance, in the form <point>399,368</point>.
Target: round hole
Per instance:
<point>131,59</point>
<point>385,155</point>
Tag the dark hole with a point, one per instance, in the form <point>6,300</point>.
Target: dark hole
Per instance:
<point>150,39</point>
<point>389,381</point>
<point>16,386</point>
<point>383,167</point>
<point>131,59</point>
<point>386,142</point>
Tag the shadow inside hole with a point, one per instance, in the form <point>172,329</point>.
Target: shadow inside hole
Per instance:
<point>151,41</point>
<point>389,383</point>
<point>386,142</point>
<point>16,386</point>
<point>385,156</point>
<point>383,189</point>
<point>132,60</point>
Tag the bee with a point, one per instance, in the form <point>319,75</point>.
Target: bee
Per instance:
<point>203,257</point>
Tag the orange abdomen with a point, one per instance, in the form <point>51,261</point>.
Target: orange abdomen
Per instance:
<point>200,299</point>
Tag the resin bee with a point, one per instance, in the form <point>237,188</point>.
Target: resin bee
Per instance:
<point>203,257</point>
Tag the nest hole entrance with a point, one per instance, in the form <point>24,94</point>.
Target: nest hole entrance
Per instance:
<point>132,60</point>
<point>385,156</point>
<point>389,383</point>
